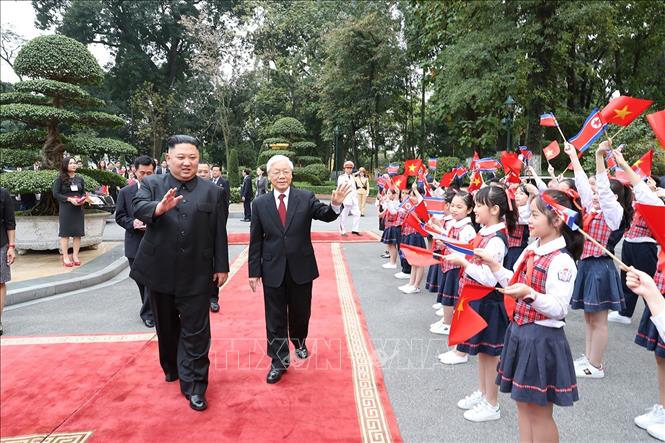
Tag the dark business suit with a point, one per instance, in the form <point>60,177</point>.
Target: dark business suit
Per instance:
<point>124,217</point>
<point>247,192</point>
<point>177,257</point>
<point>226,189</point>
<point>283,256</point>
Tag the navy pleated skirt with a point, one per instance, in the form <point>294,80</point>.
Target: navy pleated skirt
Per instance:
<point>490,340</point>
<point>391,235</point>
<point>434,281</point>
<point>647,335</point>
<point>414,239</point>
<point>536,366</point>
<point>448,293</point>
<point>511,257</point>
<point>597,286</point>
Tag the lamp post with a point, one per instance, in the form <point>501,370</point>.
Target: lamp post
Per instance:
<point>508,120</point>
<point>337,132</point>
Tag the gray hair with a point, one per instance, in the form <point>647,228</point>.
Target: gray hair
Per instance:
<point>277,158</point>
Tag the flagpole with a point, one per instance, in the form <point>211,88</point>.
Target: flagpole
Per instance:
<point>604,249</point>
<point>560,131</point>
<point>618,132</point>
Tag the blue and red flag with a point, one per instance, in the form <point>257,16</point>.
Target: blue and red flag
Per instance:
<point>456,246</point>
<point>432,162</point>
<point>487,164</point>
<point>435,205</point>
<point>526,154</point>
<point>568,215</point>
<point>392,168</point>
<point>459,171</point>
<point>592,128</point>
<point>548,120</point>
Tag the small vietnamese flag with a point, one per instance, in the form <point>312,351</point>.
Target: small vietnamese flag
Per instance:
<point>400,181</point>
<point>643,165</point>
<point>421,211</point>
<point>411,167</point>
<point>548,120</point>
<point>476,181</point>
<point>511,163</point>
<point>447,179</point>
<point>466,322</point>
<point>551,150</point>
<point>418,256</point>
<point>623,110</point>
<point>657,122</point>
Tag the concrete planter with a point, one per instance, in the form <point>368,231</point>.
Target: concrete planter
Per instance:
<point>40,233</point>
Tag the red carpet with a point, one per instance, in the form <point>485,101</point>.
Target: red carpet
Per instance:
<point>242,238</point>
<point>116,390</point>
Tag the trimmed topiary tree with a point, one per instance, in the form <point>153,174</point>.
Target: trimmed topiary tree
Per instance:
<point>51,101</point>
<point>289,128</point>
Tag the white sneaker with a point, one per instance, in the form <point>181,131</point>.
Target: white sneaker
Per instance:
<point>405,287</point>
<point>615,317</point>
<point>434,324</point>
<point>389,266</point>
<point>439,312</point>
<point>411,290</point>
<point>483,411</point>
<point>471,400</point>
<point>402,275</point>
<point>452,358</point>
<point>655,416</point>
<point>437,306</point>
<point>587,370</point>
<point>440,328</point>
<point>657,431</point>
<point>581,361</point>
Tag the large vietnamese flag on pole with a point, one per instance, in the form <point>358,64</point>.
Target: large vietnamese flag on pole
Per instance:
<point>623,110</point>
<point>592,128</point>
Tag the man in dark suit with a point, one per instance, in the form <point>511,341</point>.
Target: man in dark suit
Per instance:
<point>183,251</point>
<point>220,181</point>
<point>247,193</point>
<point>282,256</point>
<point>134,228</point>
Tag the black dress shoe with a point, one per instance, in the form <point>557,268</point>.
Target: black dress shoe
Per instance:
<point>149,323</point>
<point>214,306</point>
<point>169,378</point>
<point>302,353</point>
<point>275,375</point>
<point>197,402</point>
<point>355,233</point>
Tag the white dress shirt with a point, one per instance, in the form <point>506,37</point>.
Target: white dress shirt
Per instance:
<point>286,193</point>
<point>496,248</point>
<point>559,283</point>
<point>609,206</point>
<point>659,321</point>
<point>645,196</point>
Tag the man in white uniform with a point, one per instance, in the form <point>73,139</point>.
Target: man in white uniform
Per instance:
<point>350,202</point>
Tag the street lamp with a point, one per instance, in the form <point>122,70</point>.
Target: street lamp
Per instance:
<point>508,120</point>
<point>337,169</point>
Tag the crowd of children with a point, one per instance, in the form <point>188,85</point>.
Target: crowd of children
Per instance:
<point>527,354</point>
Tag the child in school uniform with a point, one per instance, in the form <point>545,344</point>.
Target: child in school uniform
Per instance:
<point>648,335</point>
<point>391,231</point>
<point>463,230</point>
<point>536,365</point>
<point>411,237</point>
<point>440,223</point>
<point>491,208</point>
<point>518,238</point>
<point>598,287</point>
<point>405,272</point>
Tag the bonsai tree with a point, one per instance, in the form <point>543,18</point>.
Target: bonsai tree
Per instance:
<point>56,115</point>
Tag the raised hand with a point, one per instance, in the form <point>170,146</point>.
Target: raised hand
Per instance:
<point>168,202</point>
<point>569,150</point>
<point>339,194</point>
<point>604,148</point>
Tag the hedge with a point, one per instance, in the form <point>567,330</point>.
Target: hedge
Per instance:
<point>105,177</point>
<point>71,93</point>
<point>95,146</point>
<point>305,160</point>
<point>100,119</point>
<point>304,148</point>
<point>23,97</point>
<point>288,127</point>
<point>58,57</point>
<point>265,155</point>
<point>18,157</point>
<point>18,139</point>
<point>34,182</point>
<point>35,114</point>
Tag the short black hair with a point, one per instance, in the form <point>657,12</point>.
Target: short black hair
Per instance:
<point>178,139</point>
<point>216,166</point>
<point>145,161</point>
<point>247,171</point>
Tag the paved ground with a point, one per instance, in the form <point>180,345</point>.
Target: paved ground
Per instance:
<point>423,392</point>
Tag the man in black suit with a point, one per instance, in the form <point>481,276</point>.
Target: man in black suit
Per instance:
<point>282,256</point>
<point>220,181</point>
<point>246,194</point>
<point>183,251</point>
<point>135,228</point>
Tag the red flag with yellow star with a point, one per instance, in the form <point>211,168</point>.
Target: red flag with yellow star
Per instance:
<point>551,150</point>
<point>657,122</point>
<point>466,322</point>
<point>623,110</point>
<point>476,182</point>
<point>411,167</point>
<point>400,181</point>
<point>643,165</point>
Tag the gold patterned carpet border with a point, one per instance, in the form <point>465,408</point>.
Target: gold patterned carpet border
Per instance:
<point>63,437</point>
<point>373,423</point>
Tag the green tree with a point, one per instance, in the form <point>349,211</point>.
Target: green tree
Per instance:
<point>52,101</point>
<point>233,169</point>
<point>151,111</point>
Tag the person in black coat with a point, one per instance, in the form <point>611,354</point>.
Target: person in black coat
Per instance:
<point>246,194</point>
<point>69,190</point>
<point>281,255</point>
<point>223,183</point>
<point>135,228</point>
<point>184,250</point>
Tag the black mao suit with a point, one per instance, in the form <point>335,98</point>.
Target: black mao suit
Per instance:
<point>283,256</point>
<point>247,194</point>
<point>177,257</point>
<point>124,217</point>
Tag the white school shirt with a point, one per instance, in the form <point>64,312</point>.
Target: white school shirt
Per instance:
<point>466,235</point>
<point>609,206</point>
<point>496,248</point>
<point>286,193</point>
<point>646,196</point>
<point>559,283</point>
<point>392,206</point>
<point>659,321</point>
<point>524,214</point>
